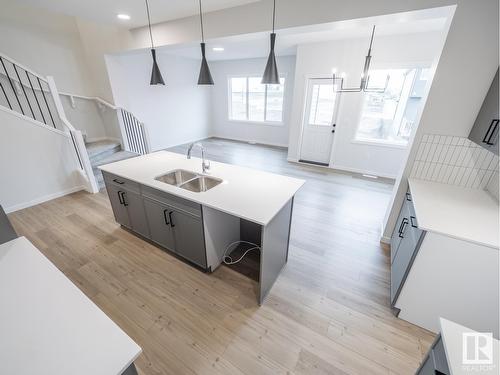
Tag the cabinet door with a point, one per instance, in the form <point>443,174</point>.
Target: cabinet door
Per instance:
<point>115,195</point>
<point>136,213</point>
<point>189,238</point>
<point>402,222</point>
<point>401,260</point>
<point>159,224</point>
<point>487,124</point>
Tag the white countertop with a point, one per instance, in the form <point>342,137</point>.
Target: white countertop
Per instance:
<point>48,326</point>
<point>452,336</point>
<point>247,193</point>
<point>463,213</point>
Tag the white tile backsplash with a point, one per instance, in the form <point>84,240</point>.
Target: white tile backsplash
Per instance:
<point>455,161</point>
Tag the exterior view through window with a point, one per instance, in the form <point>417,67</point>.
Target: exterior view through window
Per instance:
<point>389,117</point>
<point>249,100</point>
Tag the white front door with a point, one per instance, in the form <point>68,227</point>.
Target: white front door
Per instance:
<point>319,121</point>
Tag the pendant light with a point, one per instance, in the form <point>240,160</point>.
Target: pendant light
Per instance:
<point>205,78</point>
<point>156,78</point>
<point>365,76</point>
<point>271,75</point>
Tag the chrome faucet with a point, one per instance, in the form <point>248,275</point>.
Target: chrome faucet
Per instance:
<point>205,164</point>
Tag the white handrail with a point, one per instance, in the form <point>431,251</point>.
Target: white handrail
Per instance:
<point>23,67</point>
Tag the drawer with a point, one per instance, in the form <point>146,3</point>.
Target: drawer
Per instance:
<point>172,201</point>
<point>121,182</point>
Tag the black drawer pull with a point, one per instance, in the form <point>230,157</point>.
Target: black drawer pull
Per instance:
<point>490,132</point>
<point>171,220</point>
<point>408,196</point>
<point>120,197</point>
<point>404,222</point>
<point>411,221</point>
<point>118,181</point>
<point>123,198</point>
<point>165,217</point>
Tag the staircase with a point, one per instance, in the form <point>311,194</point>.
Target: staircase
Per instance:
<point>105,152</point>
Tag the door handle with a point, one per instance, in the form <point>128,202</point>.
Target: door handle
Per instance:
<point>408,197</point>
<point>412,223</point>
<point>333,125</point>
<point>171,220</point>
<point>489,134</point>
<point>123,198</point>
<point>402,227</point>
<point>165,217</point>
<point>120,197</point>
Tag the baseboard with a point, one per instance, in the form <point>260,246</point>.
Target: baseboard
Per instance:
<point>99,139</point>
<point>361,171</point>
<point>43,199</point>
<point>280,145</point>
<point>386,240</point>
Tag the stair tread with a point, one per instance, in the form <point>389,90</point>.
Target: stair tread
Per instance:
<point>117,156</point>
<point>96,148</point>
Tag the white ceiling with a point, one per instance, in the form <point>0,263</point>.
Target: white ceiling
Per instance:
<point>257,44</point>
<point>105,11</point>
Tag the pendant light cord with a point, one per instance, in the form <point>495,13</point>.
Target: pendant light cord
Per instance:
<point>274,13</point>
<point>371,40</point>
<point>201,24</point>
<point>149,23</point>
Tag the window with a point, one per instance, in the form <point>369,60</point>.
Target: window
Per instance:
<point>322,104</point>
<point>251,100</point>
<point>389,117</point>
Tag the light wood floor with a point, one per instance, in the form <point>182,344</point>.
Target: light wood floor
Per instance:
<point>328,313</point>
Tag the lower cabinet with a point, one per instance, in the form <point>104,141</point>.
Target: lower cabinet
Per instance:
<point>405,242</point>
<point>159,224</point>
<point>435,361</point>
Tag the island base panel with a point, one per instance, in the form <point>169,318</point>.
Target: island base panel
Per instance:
<point>274,252</point>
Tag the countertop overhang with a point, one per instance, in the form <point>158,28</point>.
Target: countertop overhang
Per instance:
<point>250,194</point>
<point>459,212</point>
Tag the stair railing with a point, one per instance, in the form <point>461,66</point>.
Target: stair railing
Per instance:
<point>37,98</point>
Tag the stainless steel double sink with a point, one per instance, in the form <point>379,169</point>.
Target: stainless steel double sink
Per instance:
<point>189,180</point>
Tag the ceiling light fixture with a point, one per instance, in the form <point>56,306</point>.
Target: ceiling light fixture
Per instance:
<point>365,76</point>
<point>271,75</point>
<point>123,16</point>
<point>218,49</point>
<point>156,78</point>
<point>205,78</point>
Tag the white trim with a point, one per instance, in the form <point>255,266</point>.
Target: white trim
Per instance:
<point>362,171</point>
<point>99,139</point>
<point>23,67</point>
<point>380,143</point>
<point>249,141</point>
<point>43,199</point>
<point>385,240</point>
<point>34,122</point>
<point>265,123</point>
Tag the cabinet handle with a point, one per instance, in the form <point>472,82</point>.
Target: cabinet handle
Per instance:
<point>171,220</point>
<point>411,221</point>
<point>408,196</point>
<point>123,198</point>
<point>118,181</point>
<point>120,197</point>
<point>489,134</point>
<point>402,227</point>
<point>165,217</point>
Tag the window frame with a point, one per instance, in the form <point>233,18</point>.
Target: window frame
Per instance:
<point>255,122</point>
<point>381,142</point>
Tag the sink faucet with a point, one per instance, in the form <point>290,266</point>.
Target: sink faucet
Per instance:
<point>205,164</point>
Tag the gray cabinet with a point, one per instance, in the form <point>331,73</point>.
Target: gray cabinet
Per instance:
<point>405,243</point>
<point>159,223</point>
<point>435,361</point>
<point>487,125</point>
<point>172,222</point>
<point>189,238</point>
<point>115,195</point>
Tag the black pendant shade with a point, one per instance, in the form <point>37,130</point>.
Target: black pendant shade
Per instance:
<point>156,78</point>
<point>271,75</point>
<point>205,78</point>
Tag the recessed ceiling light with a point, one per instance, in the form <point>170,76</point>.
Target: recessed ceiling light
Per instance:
<point>218,49</point>
<point>123,16</point>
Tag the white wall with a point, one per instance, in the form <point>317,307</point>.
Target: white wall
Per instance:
<point>176,113</point>
<point>247,131</point>
<point>318,59</point>
<point>45,42</point>
<point>37,164</point>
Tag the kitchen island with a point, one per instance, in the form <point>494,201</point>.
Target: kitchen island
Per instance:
<point>158,196</point>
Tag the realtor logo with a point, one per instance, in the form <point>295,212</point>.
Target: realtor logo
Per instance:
<point>477,348</point>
